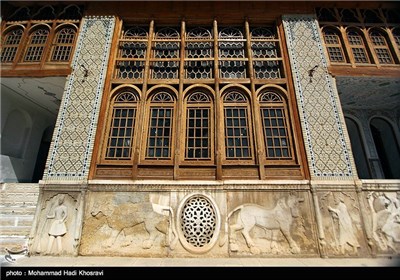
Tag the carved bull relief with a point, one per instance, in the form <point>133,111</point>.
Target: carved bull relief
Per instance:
<point>127,224</point>
<point>385,220</point>
<point>258,228</point>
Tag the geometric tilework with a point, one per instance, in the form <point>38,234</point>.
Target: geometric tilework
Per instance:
<point>325,135</point>
<point>73,139</point>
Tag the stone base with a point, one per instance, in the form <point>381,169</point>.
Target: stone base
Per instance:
<point>220,219</point>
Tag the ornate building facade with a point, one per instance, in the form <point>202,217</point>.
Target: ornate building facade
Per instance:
<point>204,129</point>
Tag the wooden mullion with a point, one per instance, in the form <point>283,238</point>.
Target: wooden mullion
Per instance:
<point>218,127</point>
<point>369,47</point>
<point>259,154</point>
<point>48,45</point>
<point>23,44</point>
<point>393,45</point>
<point>347,46</point>
<point>141,132</point>
<point>179,106</point>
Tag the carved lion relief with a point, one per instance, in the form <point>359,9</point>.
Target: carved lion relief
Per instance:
<point>127,224</point>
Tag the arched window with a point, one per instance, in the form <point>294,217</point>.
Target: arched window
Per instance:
<point>122,126</point>
<point>381,47</point>
<point>333,45</point>
<point>161,114</point>
<point>237,128</point>
<point>358,148</point>
<point>357,46</point>
<point>277,135</point>
<point>199,119</point>
<point>10,44</point>
<point>63,44</point>
<point>36,44</point>
<point>387,147</point>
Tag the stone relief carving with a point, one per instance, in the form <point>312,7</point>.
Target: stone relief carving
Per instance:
<point>58,227</point>
<point>128,223</point>
<point>129,215</point>
<point>341,227</point>
<point>385,214</point>
<point>56,232</point>
<point>275,221</point>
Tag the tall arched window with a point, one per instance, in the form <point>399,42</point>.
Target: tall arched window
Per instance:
<point>387,147</point>
<point>358,148</point>
<point>357,45</point>
<point>159,137</point>
<point>63,44</point>
<point>381,47</point>
<point>36,44</point>
<point>277,135</point>
<point>122,126</point>
<point>333,45</point>
<point>10,44</point>
<point>237,128</point>
<point>199,119</point>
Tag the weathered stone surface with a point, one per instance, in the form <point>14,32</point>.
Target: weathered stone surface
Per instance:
<point>270,224</point>
<point>342,224</point>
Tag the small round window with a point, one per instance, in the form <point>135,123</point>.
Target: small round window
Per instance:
<point>199,223</point>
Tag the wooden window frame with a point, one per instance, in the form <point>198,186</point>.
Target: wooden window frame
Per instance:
<point>134,137</point>
<point>150,104</point>
<point>219,166</point>
<point>363,46</point>
<point>17,47</point>
<point>211,120</point>
<point>31,32</point>
<point>283,105</point>
<point>339,45</point>
<point>56,44</point>
<point>385,46</point>
<point>234,161</point>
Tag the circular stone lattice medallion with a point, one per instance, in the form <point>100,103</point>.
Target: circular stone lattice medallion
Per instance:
<point>198,223</point>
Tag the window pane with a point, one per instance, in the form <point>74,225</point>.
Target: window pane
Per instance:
<point>275,133</point>
<point>237,142</point>
<point>197,134</point>
<point>158,145</point>
<point>121,133</point>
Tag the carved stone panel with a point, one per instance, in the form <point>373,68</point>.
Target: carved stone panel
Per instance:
<point>341,224</point>
<point>383,225</point>
<point>199,216</point>
<point>267,223</point>
<point>57,227</point>
<point>128,224</point>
